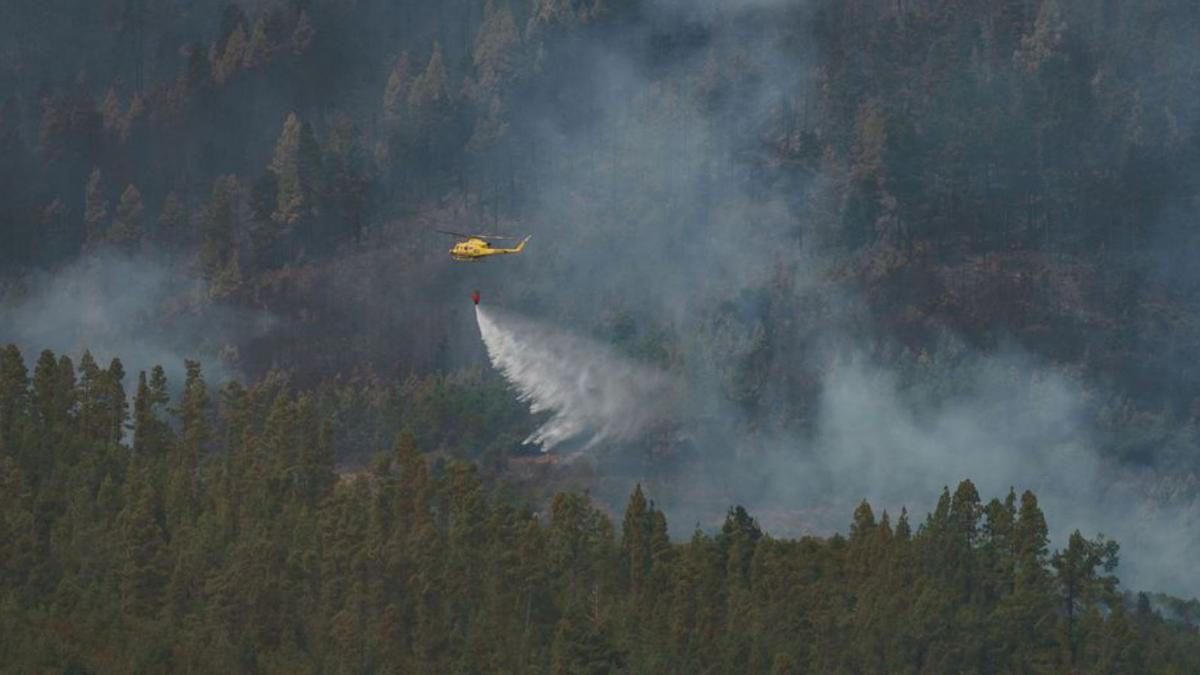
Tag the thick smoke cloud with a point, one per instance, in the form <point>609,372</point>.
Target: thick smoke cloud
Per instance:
<point>1002,421</point>
<point>647,194</point>
<point>656,205</point>
<point>1013,425</point>
<point>146,310</point>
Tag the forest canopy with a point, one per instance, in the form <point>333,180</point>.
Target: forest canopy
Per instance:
<point>221,539</point>
<point>877,247</point>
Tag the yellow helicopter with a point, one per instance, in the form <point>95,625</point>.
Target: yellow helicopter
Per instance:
<point>478,246</point>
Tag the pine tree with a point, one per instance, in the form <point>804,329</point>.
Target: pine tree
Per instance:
<point>296,165</point>
<point>19,549</point>
<point>267,237</point>
<point>491,127</point>
<point>110,110</point>
<point>1030,540</point>
<point>232,57</point>
<point>232,18</point>
<point>413,487</point>
<point>903,529</point>
<point>66,399</point>
<point>1011,21</point>
<point>1047,36</point>
<point>309,167</point>
<point>998,543</point>
<point>90,392</point>
<point>430,620</point>
<point>316,455</point>
<point>429,97</point>
<point>1080,587</point>
<point>45,385</point>
<point>303,35</point>
<point>95,208</point>
<point>193,414</point>
<point>965,511</point>
<point>116,404</point>
<point>221,224</point>
<point>227,283</point>
<point>395,94</point>
<point>663,557</point>
<point>549,15</point>
<point>662,553</point>
<point>182,496</point>
<point>348,628</point>
<point>697,619</point>
<point>495,52</point>
<point>143,557</point>
<point>739,534</point>
<point>466,536</point>
<point>861,554</point>
<point>195,82</point>
<point>60,232</point>
<point>126,230</point>
<point>281,439</point>
<point>159,396</point>
<point>257,53</point>
<point>150,431</point>
<point>1029,610</point>
<point>582,642</point>
<point>864,522</point>
<point>133,117</point>
<point>142,422</point>
<point>14,397</point>
<point>635,542</point>
<point>171,228</point>
<point>346,179</point>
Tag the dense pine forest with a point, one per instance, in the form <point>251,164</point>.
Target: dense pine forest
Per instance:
<point>890,257</point>
<point>220,539</point>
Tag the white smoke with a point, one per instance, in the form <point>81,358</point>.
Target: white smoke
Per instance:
<point>146,309</point>
<point>589,390</point>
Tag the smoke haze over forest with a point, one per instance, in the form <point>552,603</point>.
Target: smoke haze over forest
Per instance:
<point>787,254</point>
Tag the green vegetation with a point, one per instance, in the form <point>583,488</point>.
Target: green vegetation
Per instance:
<point>919,182</point>
<point>220,539</point>
<point>1013,173</point>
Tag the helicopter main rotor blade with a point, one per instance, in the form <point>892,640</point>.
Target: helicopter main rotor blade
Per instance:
<point>478,236</point>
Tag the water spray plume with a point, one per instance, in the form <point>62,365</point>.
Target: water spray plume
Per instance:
<point>589,391</point>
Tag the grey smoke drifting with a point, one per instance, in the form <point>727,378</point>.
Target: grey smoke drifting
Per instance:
<point>1013,424</point>
<point>656,206</point>
<point>146,310</point>
<point>1001,421</point>
<point>589,391</point>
